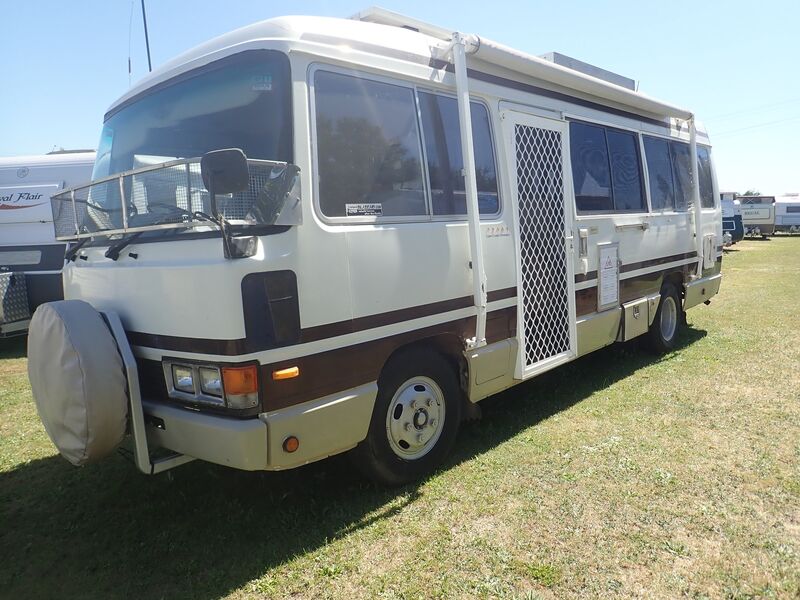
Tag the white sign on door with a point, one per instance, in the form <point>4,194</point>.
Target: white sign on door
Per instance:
<point>608,276</point>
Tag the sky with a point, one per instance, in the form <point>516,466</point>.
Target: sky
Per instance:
<point>735,64</point>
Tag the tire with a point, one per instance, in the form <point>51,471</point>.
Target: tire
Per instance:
<point>670,318</point>
<point>415,420</point>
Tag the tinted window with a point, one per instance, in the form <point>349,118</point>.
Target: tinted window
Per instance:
<point>682,175</point>
<point>625,173</point>
<point>243,101</point>
<point>368,151</point>
<point>704,170</point>
<point>590,168</point>
<point>659,173</point>
<point>443,150</point>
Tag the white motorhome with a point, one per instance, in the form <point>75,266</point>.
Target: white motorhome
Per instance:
<point>356,284</point>
<point>758,215</point>
<point>787,213</point>
<point>30,256</point>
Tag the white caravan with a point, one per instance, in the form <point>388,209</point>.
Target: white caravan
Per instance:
<point>758,215</point>
<point>30,256</point>
<point>356,284</point>
<point>787,213</point>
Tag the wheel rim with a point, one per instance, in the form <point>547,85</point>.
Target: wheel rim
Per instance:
<point>669,318</point>
<point>415,419</point>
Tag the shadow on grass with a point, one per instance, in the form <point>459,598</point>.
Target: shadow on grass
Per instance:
<point>202,531</point>
<point>14,347</point>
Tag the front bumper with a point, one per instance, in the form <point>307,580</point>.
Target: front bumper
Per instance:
<point>238,443</point>
<point>326,426</point>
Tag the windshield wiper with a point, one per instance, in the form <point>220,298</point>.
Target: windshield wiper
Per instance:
<point>70,254</point>
<point>114,250</point>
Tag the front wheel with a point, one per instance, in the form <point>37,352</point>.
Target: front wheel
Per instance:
<point>663,333</point>
<point>415,419</point>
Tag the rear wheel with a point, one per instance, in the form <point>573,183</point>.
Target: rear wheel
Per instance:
<point>663,333</point>
<point>415,419</point>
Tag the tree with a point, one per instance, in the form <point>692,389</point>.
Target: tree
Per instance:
<point>751,193</point>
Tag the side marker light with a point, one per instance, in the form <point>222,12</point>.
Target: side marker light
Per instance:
<point>291,444</point>
<point>289,373</point>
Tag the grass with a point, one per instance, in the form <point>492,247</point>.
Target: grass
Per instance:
<point>619,475</point>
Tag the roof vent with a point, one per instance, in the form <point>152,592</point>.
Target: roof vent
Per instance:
<point>587,69</point>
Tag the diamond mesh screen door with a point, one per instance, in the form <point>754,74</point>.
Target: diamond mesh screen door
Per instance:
<point>545,285</point>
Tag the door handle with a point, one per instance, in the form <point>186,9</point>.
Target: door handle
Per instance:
<point>644,226</point>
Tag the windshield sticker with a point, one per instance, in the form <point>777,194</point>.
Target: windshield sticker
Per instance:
<point>261,83</point>
<point>364,210</point>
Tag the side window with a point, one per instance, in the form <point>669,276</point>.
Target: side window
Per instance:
<point>368,152</point>
<point>626,174</point>
<point>443,149</point>
<point>704,171</point>
<point>591,175</point>
<point>682,175</point>
<point>606,170</point>
<point>659,173</point>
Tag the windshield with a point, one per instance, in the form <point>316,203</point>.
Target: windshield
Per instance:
<point>242,101</point>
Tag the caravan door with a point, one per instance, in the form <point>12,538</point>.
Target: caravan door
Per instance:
<point>543,224</point>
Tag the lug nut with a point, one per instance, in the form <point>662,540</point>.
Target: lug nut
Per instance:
<point>432,423</point>
<point>407,426</point>
<point>428,402</point>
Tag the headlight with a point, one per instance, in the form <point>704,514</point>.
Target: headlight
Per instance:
<point>183,379</point>
<point>210,381</point>
<point>234,387</point>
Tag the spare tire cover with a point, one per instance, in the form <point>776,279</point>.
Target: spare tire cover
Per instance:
<point>77,379</point>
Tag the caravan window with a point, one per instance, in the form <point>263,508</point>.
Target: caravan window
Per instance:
<point>626,173</point>
<point>682,175</point>
<point>668,166</point>
<point>706,185</point>
<point>659,172</point>
<point>606,171</point>
<point>368,148</point>
<point>591,174</point>
<point>443,149</point>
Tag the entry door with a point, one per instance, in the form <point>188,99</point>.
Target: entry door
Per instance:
<point>543,224</point>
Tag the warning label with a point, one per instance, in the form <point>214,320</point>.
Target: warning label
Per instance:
<point>364,210</point>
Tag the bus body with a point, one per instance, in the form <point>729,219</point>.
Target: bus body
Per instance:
<point>787,213</point>
<point>30,256</point>
<point>758,215</point>
<point>411,285</point>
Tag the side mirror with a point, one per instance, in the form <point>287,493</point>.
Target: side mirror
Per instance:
<point>225,171</point>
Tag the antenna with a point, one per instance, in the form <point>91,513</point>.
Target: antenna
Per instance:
<point>130,30</point>
<point>146,39</point>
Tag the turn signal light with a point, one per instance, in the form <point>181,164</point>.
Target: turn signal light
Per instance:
<point>240,380</point>
<point>241,386</point>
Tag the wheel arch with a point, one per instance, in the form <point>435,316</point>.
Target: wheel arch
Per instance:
<point>450,346</point>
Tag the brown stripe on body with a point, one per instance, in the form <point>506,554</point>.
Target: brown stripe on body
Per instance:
<point>629,289</point>
<point>336,370</point>
<point>634,266</point>
<point>235,347</point>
